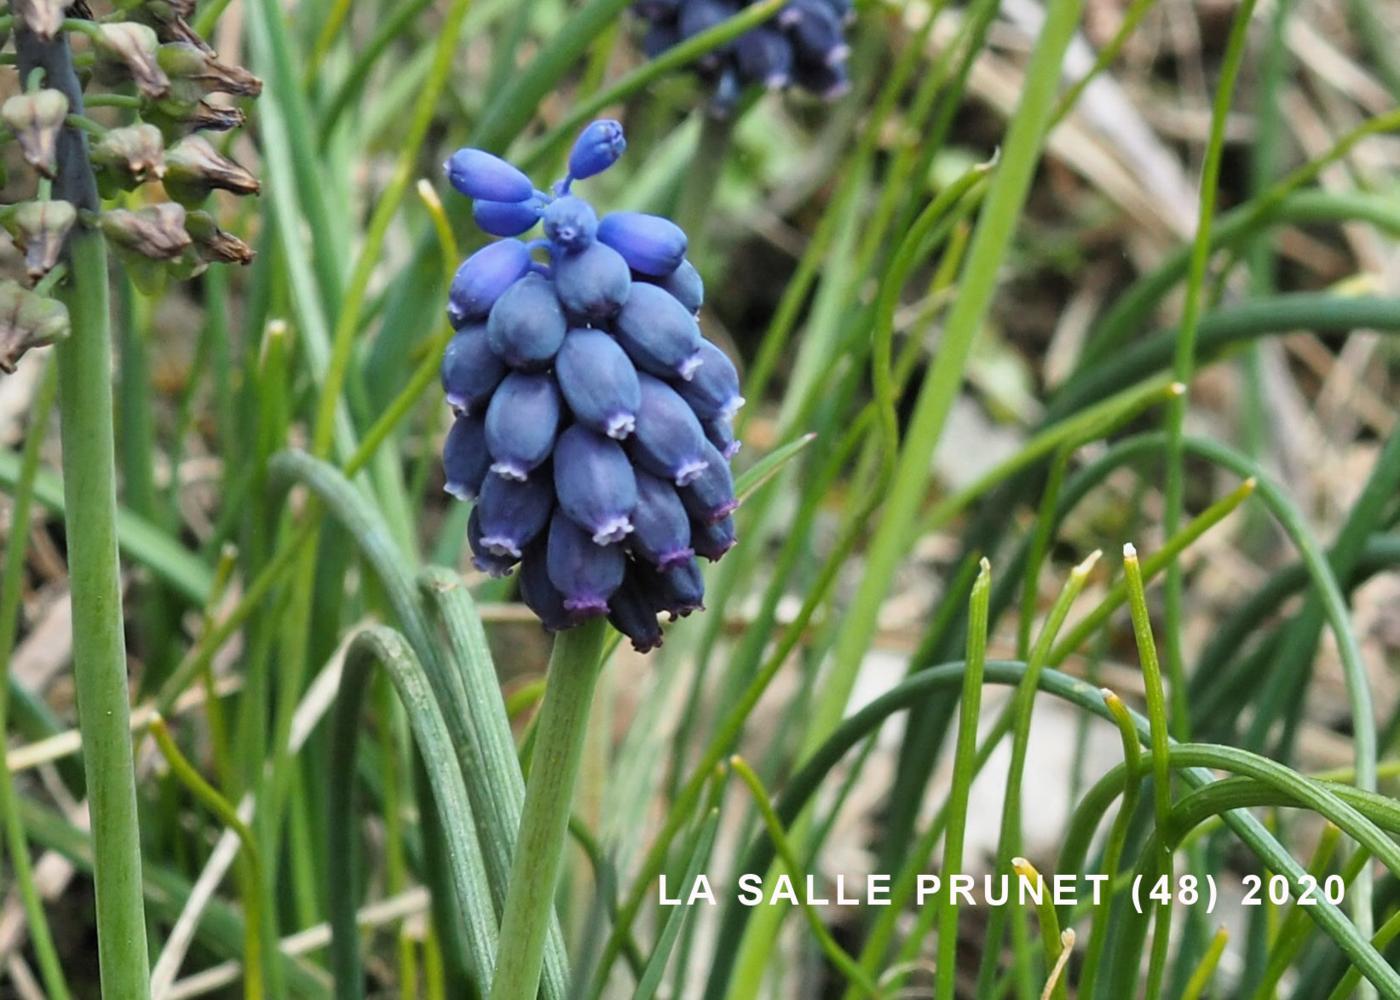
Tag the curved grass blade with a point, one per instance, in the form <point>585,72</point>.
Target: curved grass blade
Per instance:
<point>752,478</point>
<point>466,868</point>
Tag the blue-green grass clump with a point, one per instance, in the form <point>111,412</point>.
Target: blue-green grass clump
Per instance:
<point>593,423</point>
<point>803,47</point>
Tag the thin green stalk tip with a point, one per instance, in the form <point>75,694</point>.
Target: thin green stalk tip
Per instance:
<point>1152,678</point>
<point>1201,977</point>
<point>964,770</point>
<point>1054,984</point>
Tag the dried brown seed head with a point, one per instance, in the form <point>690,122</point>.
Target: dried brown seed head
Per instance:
<point>130,155</point>
<point>185,61</point>
<point>157,231</point>
<point>40,228</point>
<point>193,168</point>
<point>27,320</point>
<point>133,48</point>
<point>213,244</point>
<point>43,17</point>
<point>36,119</point>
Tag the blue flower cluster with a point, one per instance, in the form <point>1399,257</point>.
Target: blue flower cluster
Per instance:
<point>593,421</point>
<point>804,46</point>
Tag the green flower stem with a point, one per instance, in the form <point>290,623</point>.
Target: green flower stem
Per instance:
<point>99,647</point>
<point>114,101</point>
<point>90,492</point>
<point>86,124</point>
<point>11,584</point>
<point>574,668</point>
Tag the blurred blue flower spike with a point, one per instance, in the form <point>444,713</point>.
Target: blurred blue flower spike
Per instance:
<point>803,47</point>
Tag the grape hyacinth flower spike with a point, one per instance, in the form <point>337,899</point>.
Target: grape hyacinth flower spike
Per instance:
<point>593,426</point>
<point>803,47</point>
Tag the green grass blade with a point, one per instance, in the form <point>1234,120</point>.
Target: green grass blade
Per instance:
<point>467,869</point>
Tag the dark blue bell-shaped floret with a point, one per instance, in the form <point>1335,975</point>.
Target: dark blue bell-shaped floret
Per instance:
<point>661,526</point>
<point>826,81</point>
<point>597,148</point>
<point>658,333</point>
<point>668,441</point>
<point>465,460</point>
<point>514,512</point>
<point>649,243</point>
<point>712,540</point>
<point>764,56</point>
<point>484,559</point>
<point>507,218</point>
<point>815,32</point>
<point>585,573</point>
<point>483,278</point>
<point>684,284</point>
<point>527,324</point>
<point>720,433</point>
<point>709,497</point>
<point>570,223</point>
<point>713,392</point>
<point>478,174</point>
<point>681,589</point>
<point>633,613</point>
<point>521,423</point>
<point>593,284</point>
<point>470,369</point>
<point>598,382</point>
<point>539,592</point>
<point>660,36</point>
<point>595,484</point>
<point>728,88</point>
